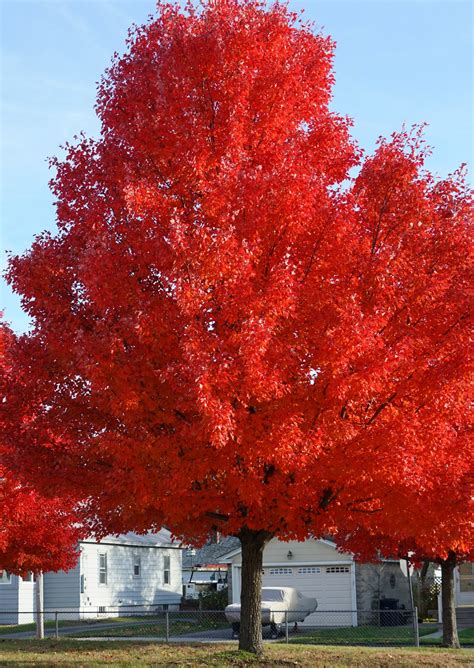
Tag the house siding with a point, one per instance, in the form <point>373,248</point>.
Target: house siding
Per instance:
<point>61,590</point>
<point>9,601</point>
<point>309,551</point>
<point>230,592</point>
<point>26,602</point>
<point>123,588</point>
<point>380,580</point>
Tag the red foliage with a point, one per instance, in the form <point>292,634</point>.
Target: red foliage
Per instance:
<point>36,533</point>
<point>228,330</point>
<point>426,509</point>
<point>417,285</point>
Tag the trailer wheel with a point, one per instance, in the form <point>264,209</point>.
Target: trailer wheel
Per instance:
<point>274,631</point>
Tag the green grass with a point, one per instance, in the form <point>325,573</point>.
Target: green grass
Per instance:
<point>364,635</point>
<point>18,628</point>
<point>176,628</point>
<point>466,637</point>
<point>128,654</point>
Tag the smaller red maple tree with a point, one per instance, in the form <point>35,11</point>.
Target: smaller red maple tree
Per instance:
<point>37,533</point>
<point>426,513</point>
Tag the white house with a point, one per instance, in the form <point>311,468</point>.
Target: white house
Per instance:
<point>465,584</point>
<point>16,599</point>
<point>119,571</point>
<point>345,590</point>
<point>464,595</point>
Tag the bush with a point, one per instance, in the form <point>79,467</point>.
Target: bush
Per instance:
<point>189,604</point>
<point>214,600</point>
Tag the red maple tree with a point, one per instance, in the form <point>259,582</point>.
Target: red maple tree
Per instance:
<point>229,331</point>
<point>426,513</point>
<point>37,533</point>
<point>423,463</point>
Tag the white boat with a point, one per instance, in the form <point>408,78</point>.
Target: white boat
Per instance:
<point>279,605</point>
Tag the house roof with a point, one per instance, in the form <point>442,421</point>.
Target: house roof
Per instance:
<point>226,557</point>
<point>210,553</point>
<point>160,539</point>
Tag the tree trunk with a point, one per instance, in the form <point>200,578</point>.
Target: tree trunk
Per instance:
<point>253,543</point>
<point>450,630</point>
<point>39,606</point>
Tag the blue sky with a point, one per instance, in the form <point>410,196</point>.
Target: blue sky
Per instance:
<point>396,61</point>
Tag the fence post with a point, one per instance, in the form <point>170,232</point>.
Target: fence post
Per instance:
<point>286,625</point>
<point>56,624</point>
<point>167,626</point>
<point>415,627</point>
<point>39,605</point>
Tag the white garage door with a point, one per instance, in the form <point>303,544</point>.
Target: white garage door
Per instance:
<point>330,585</point>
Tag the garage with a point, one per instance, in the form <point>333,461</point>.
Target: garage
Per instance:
<point>317,569</point>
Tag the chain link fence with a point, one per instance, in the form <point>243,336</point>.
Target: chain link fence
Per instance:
<point>327,627</point>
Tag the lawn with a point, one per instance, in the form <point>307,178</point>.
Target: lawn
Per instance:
<point>90,654</point>
<point>18,628</point>
<point>156,628</point>
<point>127,627</point>
<point>466,637</point>
<point>363,635</point>
<point>87,623</point>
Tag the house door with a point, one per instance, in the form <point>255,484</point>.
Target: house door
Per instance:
<point>465,584</point>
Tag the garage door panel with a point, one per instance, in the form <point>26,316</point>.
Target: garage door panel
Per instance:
<point>331,586</point>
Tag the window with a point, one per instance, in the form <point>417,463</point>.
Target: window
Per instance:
<point>103,569</point>
<point>272,595</point>
<point>309,570</point>
<point>337,569</point>
<point>5,577</point>
<point>137,567</point>
<point>166,570</point>
<point>281,571</point>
